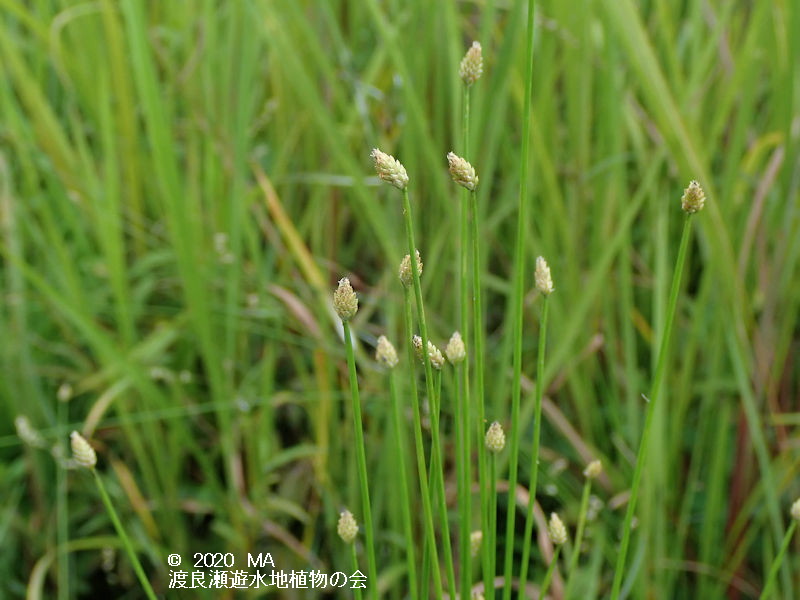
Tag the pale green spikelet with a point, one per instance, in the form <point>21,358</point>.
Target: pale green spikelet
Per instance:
<point>693,199</point>
<point>593,470</point>
<point>544,283</point>
<point>347,527</point>
<point>390,169</point>
<point>455,350</point>
<point>462,172</point>
<point>556,530</point>
<point>82,452</point>
<point>405,273</point>
<point>385,353</point>
<point>345,301</point>
<point>475,541</point>
<point>471,67</point>
<point>795,512</point>
<point>495,438</point>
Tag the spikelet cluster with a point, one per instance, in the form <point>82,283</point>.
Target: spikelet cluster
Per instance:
<point>390,169</point>
<point>347,527</point>
<point>693,199</point>
<point>544,283</point>
<point>471,67</point>
<point>82,452</point>
<point>455,350</point>
<point>495,438</point>
<point>556,530</point>
<point>345,301</point>
<point>385,353</point>
<point>434,354</point>
<point>795,512</point>
<point>462,172</point>
<point>593,470</point>
<point>405,273</point>
<point>475,541</point>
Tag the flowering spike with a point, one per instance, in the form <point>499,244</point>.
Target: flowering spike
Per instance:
<point>462,172</point>
<point>693,198</point>
<point>544,283</point>
<point>405,273</point>
<point>82,451</point>
<point>471,67</point>
<point>345,301</point>
<point>385,353</point>
<point>390,169</point>
<point>593,470</point>
<point>347,527</point>
<point>495,438</point>
<point>455,350</point>
<point>556,530</point>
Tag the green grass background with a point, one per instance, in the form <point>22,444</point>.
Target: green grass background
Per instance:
<point>182,183</point>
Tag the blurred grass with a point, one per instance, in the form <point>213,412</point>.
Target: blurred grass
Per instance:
<point>182,182</point>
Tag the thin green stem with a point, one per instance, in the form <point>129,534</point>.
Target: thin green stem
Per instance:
<point>548,577</point>
<point>361,459</point>
<point>126,542</point>
<point>422,470</point>
<point>354,561</point>
<point>641,458</point>
<point>776,564</point>
<point>429,381</point>
<point>405,496</point>
<point>576,548</point>
<point>491,534</point>
<point>463,434</point>
<point>62,513</point>
<point>519,273</point>
<point>537,430</point>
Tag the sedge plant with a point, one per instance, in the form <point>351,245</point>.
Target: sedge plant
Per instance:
<point>544,284</point>
<point>345,303</point>
<point>692,202</point>
<point>85,456</point>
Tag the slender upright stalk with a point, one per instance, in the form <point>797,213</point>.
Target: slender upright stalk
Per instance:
<point>776,564</point>
<point>641,458</point>
<point>519,271</point>
<point>537,427</point>
<point>491,537</point>
<point>126,542</point>
<point>406,497</point>
<point>354,566</point>
<point>422,470</point>
<point>429,381</point>
<point>361,458</point>
<point>576,548</point>
<point>548,577</point>
<point>465,462</point>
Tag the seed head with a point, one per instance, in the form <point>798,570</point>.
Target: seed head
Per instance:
<point>471,67</point>
<point>455,350</point>
<point>477,595</point>
<point>462,172</point>
<point>385,353</point>
<point>544,283</point>
<point>495,438</point>
<point>406,274</point>
<point>345,301</point>
<point>82,452</point>
<point>795,512</point>
<point>556,530</point>
<point>693,198</point>
<point>390,169</point>
<point>434,354</point>
<point>593,469</point>
<point>347,528</point>
<point>475,541</point>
